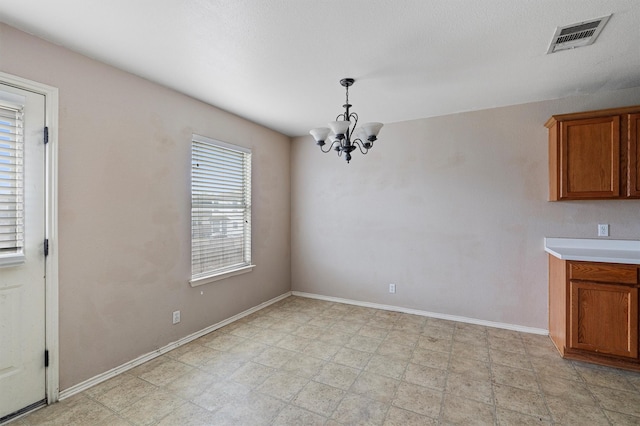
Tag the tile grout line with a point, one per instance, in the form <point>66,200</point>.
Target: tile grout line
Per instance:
<point>446,379</point>
<point>494,401</point>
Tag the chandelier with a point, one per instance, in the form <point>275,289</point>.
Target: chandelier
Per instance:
<point>342,133</point>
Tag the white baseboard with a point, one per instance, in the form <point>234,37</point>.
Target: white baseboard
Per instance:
<point>154,354</point>
<point>513,327</point>
<point>151,355</point>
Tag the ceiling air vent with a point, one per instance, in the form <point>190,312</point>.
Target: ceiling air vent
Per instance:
<point>577,35</point>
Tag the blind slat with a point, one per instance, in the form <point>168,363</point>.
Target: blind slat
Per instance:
<point>11,180</point>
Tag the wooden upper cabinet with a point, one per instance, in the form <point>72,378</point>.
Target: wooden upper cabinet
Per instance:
<point>594,155</point>
<point>590,158</point>
<point>633,158</point>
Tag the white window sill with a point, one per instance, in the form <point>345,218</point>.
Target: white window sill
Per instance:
<point>11,260</point>
<point>217,277</point>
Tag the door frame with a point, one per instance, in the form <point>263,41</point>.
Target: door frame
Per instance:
<point>50,93</point>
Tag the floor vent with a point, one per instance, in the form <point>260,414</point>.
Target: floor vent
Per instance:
<point>577,35</point>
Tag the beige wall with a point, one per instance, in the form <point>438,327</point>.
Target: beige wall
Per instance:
<point>451,209</point>
<point>124,242</point>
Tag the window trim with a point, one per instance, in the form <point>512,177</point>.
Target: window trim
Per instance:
<point>195,282</point>
<point>234,270</point>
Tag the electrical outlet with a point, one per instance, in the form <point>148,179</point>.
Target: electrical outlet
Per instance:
<point>603,230</point>
<point>392,288</point>
<point>176,317</point>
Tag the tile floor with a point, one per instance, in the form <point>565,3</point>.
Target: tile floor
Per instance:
<point>309,362</point>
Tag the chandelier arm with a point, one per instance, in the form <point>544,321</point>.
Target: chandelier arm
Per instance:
<point>355,123</point>
<point>330,147</point>
<point>358,142</point>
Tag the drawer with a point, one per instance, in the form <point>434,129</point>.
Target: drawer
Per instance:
<point>603,272</point>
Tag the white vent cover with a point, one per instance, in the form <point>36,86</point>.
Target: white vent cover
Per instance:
<point>577,35</point>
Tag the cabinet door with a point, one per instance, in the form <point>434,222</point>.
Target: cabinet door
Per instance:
<point>590,158</point>
<point>603,318</point>
<point>633,160</point>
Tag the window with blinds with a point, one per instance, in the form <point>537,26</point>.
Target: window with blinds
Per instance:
<point>220,208</point>
<point>11,180</point>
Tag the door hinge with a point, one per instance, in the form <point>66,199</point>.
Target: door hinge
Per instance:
<point>46,358</point>
<point>46,247</point>
<point>46,135</point>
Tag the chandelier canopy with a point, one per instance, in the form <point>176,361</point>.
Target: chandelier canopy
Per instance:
<point>343,135</point>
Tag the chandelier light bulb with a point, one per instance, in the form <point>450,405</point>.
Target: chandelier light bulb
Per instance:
<point>319,134</point>
<point>372,130</point>
<point>340,128</point>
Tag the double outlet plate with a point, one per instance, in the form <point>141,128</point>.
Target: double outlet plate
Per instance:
<point>603,230</point>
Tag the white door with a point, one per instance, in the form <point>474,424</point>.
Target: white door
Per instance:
<point>22,262</point>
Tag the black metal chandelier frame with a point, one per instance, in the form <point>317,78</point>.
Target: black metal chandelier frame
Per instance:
<point>341,139</point>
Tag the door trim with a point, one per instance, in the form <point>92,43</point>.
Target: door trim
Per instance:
<point>52,373</point>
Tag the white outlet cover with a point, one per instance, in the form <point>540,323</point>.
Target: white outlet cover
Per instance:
<point>603,230</point>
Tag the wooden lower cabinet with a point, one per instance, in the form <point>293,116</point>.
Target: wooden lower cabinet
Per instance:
<point>593,311</point>
<point>603,318</point>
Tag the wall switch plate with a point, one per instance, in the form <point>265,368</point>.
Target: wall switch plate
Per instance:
<point>176,317</point>
<point>603,230</point>
<point>392,288</point>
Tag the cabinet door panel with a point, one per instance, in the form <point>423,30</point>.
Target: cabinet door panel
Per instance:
<point>604,318</point>
<point>633,161</point>
<point>590,158</point>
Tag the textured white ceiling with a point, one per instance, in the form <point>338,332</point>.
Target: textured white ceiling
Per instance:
<point>278,62</point>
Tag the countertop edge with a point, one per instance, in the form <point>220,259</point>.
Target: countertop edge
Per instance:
<point>626,251</point>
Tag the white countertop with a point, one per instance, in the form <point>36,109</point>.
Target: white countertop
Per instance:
<point>592,250</point>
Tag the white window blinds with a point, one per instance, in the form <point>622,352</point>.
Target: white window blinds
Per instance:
<point>220,207</point>
<point>11,179</point>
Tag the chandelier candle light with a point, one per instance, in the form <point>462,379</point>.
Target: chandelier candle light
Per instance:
<point>342,131</point>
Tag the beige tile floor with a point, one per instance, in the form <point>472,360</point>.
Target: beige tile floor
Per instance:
<point>309,362</point>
